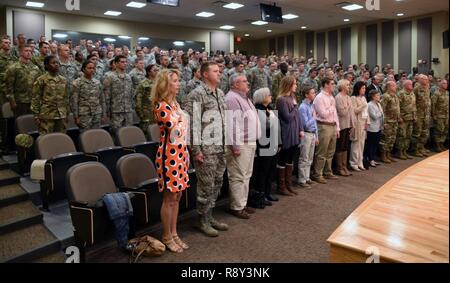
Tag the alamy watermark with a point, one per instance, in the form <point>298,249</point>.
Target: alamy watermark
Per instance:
<point>73,5</point>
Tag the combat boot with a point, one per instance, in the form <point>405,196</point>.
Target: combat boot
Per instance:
<point>438,147</point>
<point>216,224</point>
<point>417,152</point>
<point>388,155</point>
<point>401,155</point>
<point>424,151</point>
<point>405,152</point>
<point>205,226</point>
<point>384,157</point>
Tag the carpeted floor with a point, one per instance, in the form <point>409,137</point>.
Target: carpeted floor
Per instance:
<point>295,229</point>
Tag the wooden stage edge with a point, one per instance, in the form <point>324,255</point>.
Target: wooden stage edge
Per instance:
<point>406,220</point>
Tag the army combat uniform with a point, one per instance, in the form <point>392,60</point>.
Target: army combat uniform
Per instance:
<point>408,115</point>
<point>421,130</point>
<point>257,78</point>
<point>137,76</point>
<point>276,85</point>
<point>89,103</point>
<point>391,109</point>
<point>118,89</point>
<point>19,80</point>
<point>6,59</point>
<point>50,103</point>
<point>39,62</point>
<point>208,109</point>
<point>144,108</point>
<point>439,112</point>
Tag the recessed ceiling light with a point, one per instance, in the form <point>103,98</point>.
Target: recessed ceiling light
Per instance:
<point>205,14</point>
<point>60,35</point>
<point>233,6</point>
<point>134,4</point>
<point>400,14</point>
<point>113,13</point>
<point>289,16</point>
<point>303,27</point>
<point>247,34</point>
<point>259,23</point>
<point>124,36</point>
<point>178,43</point>
<point>35,4</point>
<point>269,30</point>
<point>143,38</point>
<point>349,6</point>
<point>346,20</point>
<point>108,39</point>
<point>227,27</point>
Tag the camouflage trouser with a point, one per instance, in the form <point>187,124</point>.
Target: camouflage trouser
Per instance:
<point>47,126</point>
<point>388,137</point>
<point>89,122</point>
<point>421,132</point>
<point>22,109</point>
<point>144,127</point>
<point>119,120</point>
<point>210,179</point>
<point>404,134</point>
<point>440,130</point>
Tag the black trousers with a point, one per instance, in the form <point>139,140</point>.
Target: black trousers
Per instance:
<point>343,142</point>
<point>372,142</point>
<point>286,156</point>
<point>264,169</point>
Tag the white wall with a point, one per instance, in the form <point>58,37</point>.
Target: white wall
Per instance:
<point>116,27</point>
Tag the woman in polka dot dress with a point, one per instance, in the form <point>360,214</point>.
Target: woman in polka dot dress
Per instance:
<point>172,158</point>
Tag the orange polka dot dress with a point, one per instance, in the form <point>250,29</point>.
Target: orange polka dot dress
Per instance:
<point>172,158</point>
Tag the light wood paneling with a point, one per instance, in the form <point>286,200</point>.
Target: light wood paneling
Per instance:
<point>406,219</point>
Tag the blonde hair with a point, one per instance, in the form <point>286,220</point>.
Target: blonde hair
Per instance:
<point>341,84</point>
<point>286,86</point>
<point>160,89</point>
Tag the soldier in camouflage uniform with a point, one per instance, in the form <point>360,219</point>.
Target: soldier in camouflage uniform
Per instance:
<point>144,108</point>
<point>21,41</point>
<point>257,77</point>
<point>277,80</point>
<point>439,112</point>
<point>408,110</point>
<point>44,50</point>
<point>89,106</point>
<point>137,76</point>
<point>118,89</point>
<point>311,80</point>
<point>391,109</point>
<point>194,83</point>
<point>206,106</point>
<point>50,102</point>
<point>20,78</point>
<point>421,130</point>
<point>67,68</point>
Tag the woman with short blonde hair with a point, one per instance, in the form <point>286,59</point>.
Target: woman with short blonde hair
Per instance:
<point>172,158</point>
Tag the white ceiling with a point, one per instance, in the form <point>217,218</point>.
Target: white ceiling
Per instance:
<point>315,14</point>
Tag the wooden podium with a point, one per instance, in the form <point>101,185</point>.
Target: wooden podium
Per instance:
<point>406,220</point>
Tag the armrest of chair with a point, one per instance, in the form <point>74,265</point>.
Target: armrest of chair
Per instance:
<point>79,203</point>
<point>144,143</point>
<point>147,184</point>
<point>64,155</point>
<point>108,148</point>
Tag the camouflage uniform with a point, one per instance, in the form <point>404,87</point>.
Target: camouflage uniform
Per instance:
<point>224,82</point>
<point>276,85</point>
<point>118,89</point>
<point>439,111</point>
<point>69,71</point>
<point>88,103</point>
<point>257,78</point>
<point>137,77</point>
<point>391,109</point>
<point>99,71</point>
<point>144,108</point>
<point>50,103</point>
<point>408,114</point>
<point>421,129</point>
<point>311,82</point>
<point>190,86</point>
<point>210,115</point>
<point>39,62</point>
<point>20,78</point>
<point>5,61</point>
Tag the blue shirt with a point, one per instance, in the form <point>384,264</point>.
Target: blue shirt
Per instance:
<point>307,118</point>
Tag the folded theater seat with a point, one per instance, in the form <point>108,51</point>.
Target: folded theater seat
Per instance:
<point>73,131</point>
<point>7,131</point>
<point>136,173</point>
<point>99,143</point>
<point>87,184</point>
<point>57,153</point>
<point>133,138</point>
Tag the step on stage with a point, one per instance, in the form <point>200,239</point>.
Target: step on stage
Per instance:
<point>406,220</point>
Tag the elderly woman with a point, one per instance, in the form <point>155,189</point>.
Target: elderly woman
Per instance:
<point>358,135</point>
<point>267,145</point>
<point>346,117</point>
<point>376,126</point>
